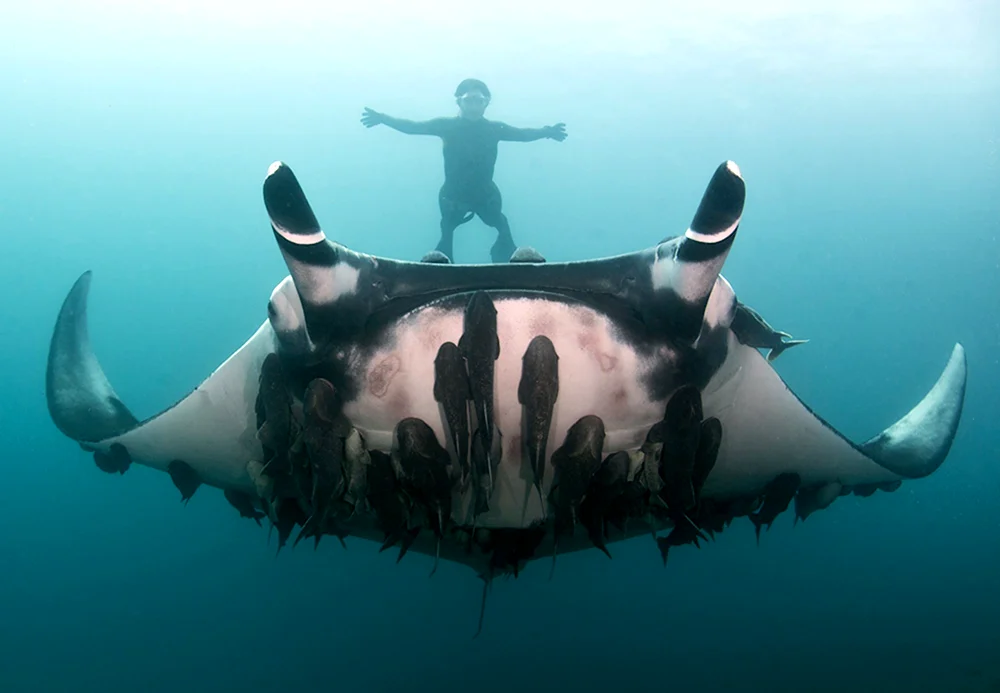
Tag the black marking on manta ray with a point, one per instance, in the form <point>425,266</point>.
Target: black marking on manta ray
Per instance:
<point>721,207</point>
<point>388,289</point>
<point>408,287</point>
<point>691,367</point>
<point>667,313</point>
<point>691,252</point>
<point>620,288</point>
<point>287,205</point>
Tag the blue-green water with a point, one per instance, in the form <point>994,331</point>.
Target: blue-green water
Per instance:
<point>135,138</point>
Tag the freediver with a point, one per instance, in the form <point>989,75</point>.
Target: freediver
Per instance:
<point>470,153</point>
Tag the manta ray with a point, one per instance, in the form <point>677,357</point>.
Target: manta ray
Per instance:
<point>494,414</point>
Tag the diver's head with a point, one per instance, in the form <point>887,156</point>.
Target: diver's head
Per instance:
<point>472,97</point>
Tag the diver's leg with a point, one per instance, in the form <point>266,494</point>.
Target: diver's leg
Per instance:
<point>447,242</point>
<point>453,215</point>
<point>491,212</point>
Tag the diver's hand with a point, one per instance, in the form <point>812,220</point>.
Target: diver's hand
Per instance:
<point>556,132</point>
<point>371,118</point>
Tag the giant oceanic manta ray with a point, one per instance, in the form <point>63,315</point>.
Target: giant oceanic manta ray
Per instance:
<point>495,414</point>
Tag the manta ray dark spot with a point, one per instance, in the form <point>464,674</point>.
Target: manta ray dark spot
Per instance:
<point>619,397</point>
<point>380,377</point>
<point>541,322</point>
<point>586,318</point>
<point>588,341</point>
<point>399,403</point>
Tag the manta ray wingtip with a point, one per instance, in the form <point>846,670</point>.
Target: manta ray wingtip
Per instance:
<point>917,444</point>
<point>81,401</point>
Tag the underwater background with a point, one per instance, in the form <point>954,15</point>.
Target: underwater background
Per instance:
<point>135,138</point>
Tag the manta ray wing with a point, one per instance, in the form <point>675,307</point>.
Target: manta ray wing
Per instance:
<point>768,431</point>
<point>211,429</point>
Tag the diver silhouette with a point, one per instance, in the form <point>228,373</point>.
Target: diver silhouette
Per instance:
<point>470,153</point>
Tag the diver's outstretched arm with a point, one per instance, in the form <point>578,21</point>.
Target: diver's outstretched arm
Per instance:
<point>371,118</point>
<point>509,133</point>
